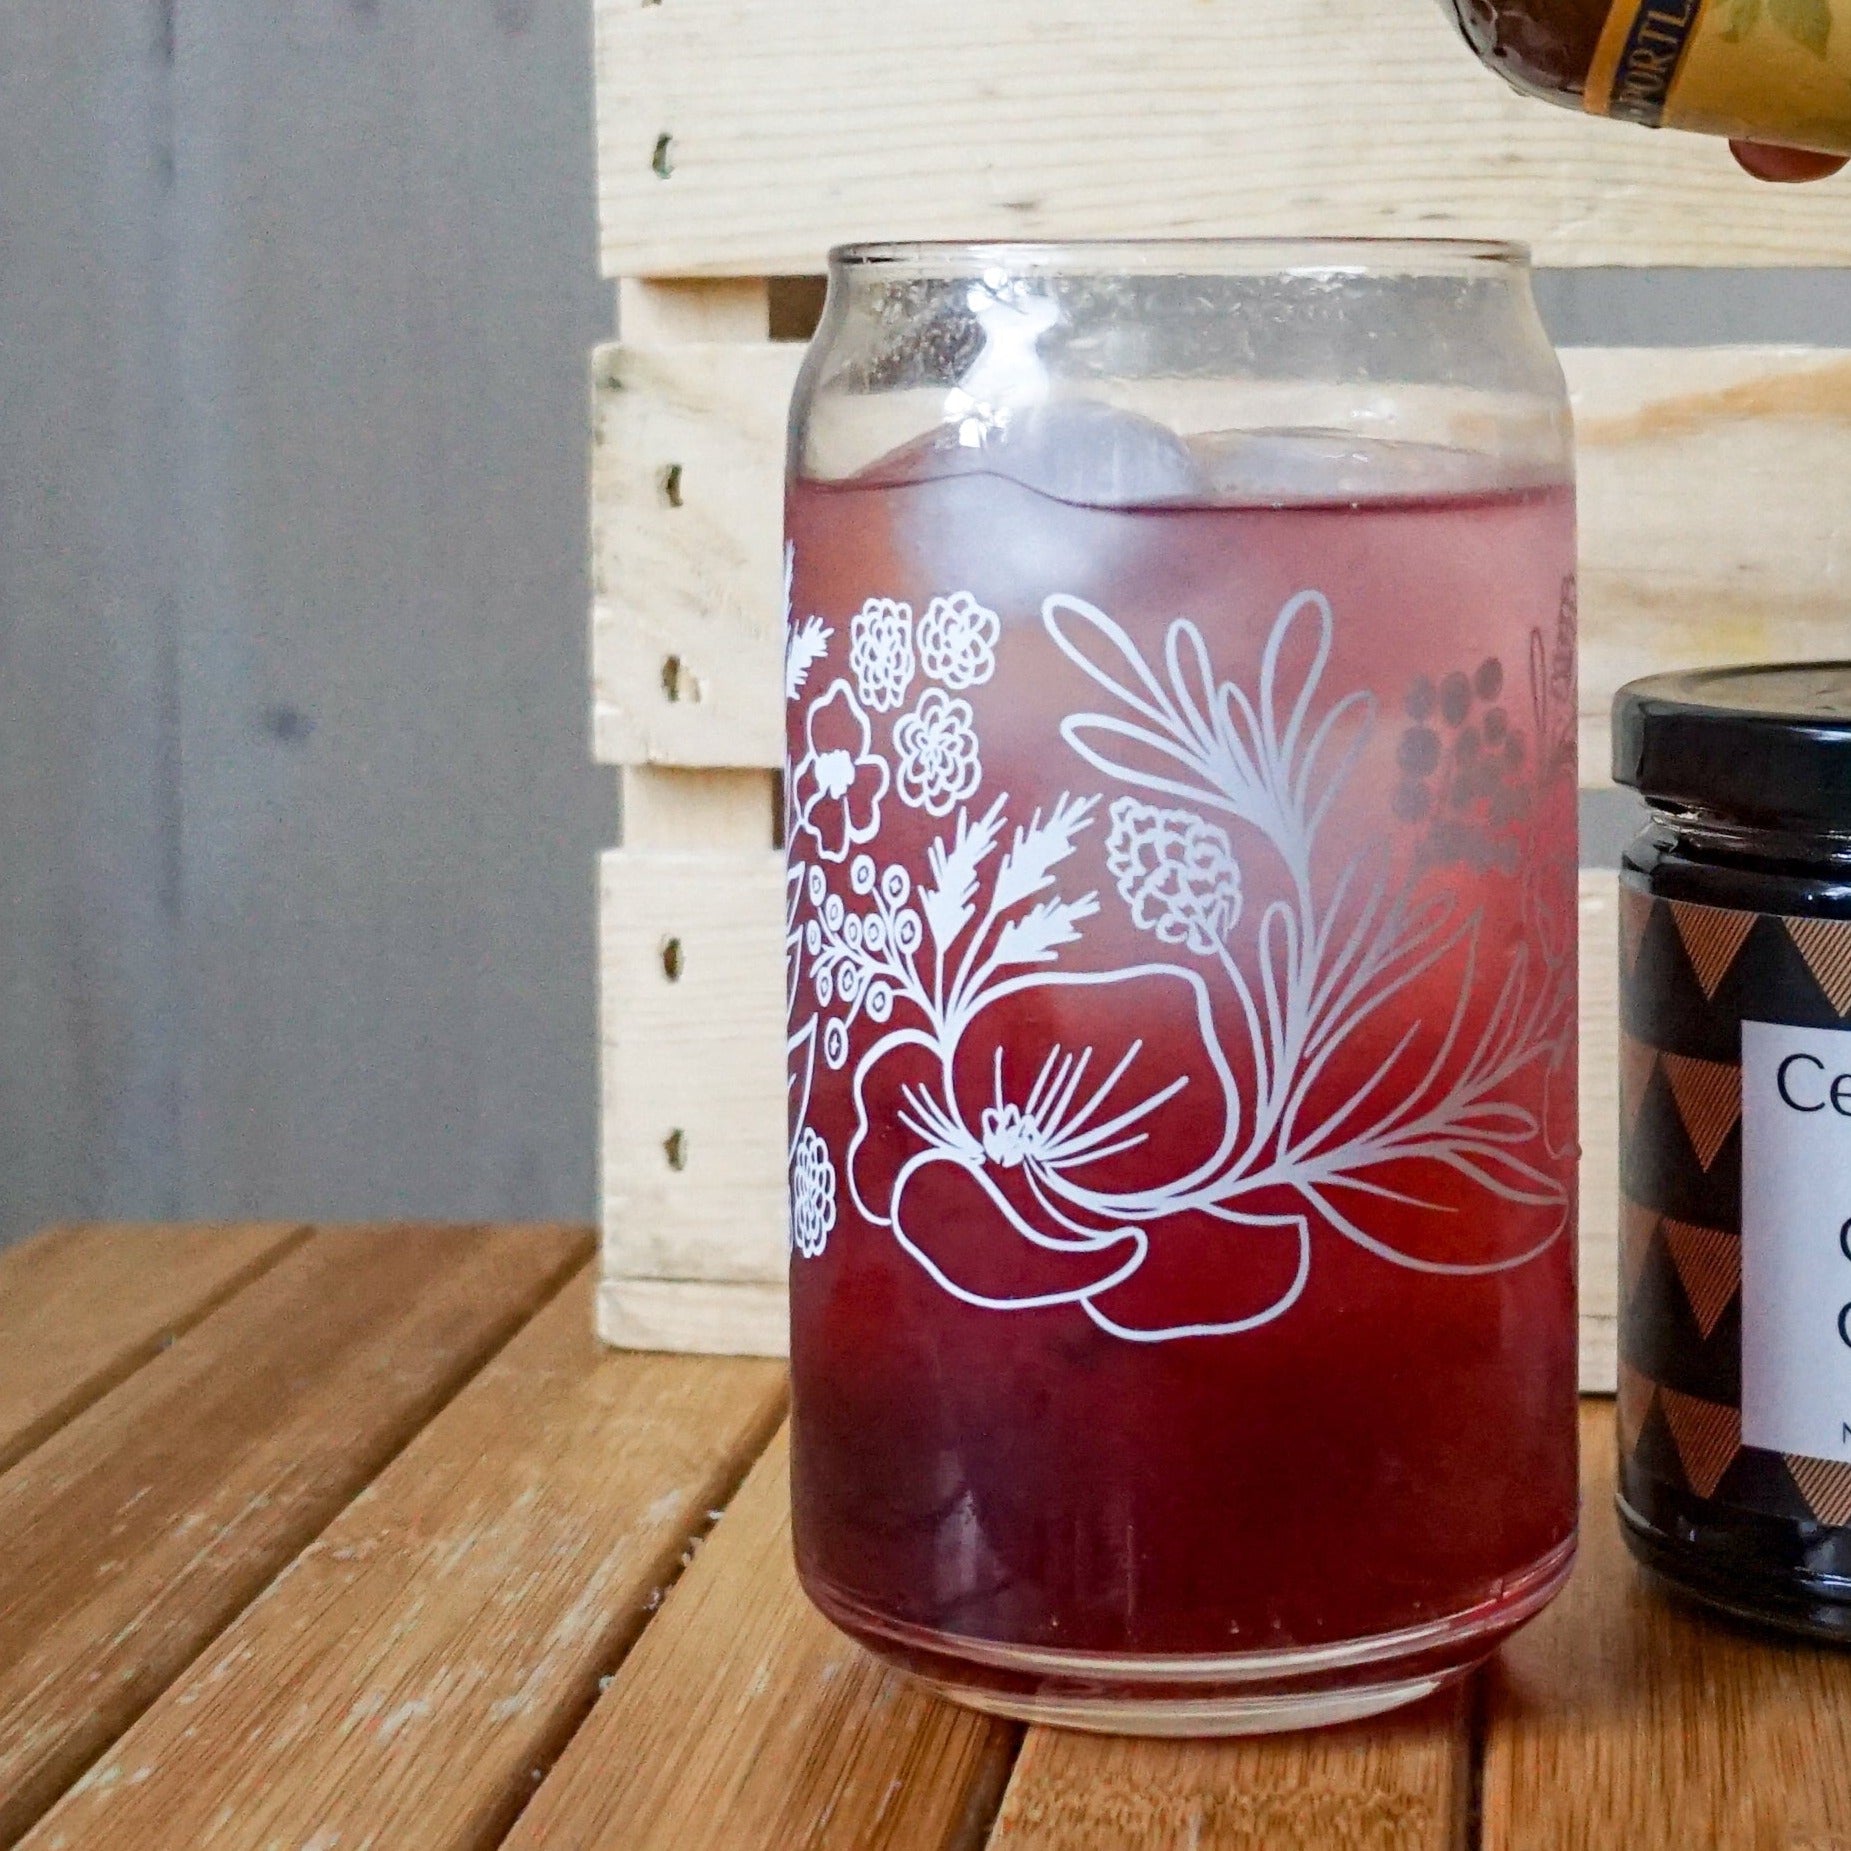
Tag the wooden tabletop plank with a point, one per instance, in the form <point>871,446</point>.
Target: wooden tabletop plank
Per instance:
<point>1622,1719</point>
<point>742,1721</point>
<point>133,1535</point>
<point>1397,1784</point>
<point>398,1685</point>
<point>81,1308</point>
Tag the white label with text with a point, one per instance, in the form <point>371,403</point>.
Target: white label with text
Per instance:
<point>1796,1239</point>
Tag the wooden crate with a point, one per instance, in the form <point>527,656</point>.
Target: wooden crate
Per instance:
<point>739,138</point>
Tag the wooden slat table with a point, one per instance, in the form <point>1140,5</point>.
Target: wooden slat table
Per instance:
<point>327,1539</point>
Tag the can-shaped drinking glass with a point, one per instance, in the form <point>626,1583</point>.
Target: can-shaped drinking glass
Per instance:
<point>1180,921</point>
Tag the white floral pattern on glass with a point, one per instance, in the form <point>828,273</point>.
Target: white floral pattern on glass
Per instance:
<point>936,745</point>
<point>881,653</point>
<point>806,643</point>
<point>995,1156</point>
<point>813,1194</point>
<point>1177,874</point>
<point>957,641</point>
<point>838,784</point>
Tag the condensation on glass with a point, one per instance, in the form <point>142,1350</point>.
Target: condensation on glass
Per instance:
<point>1181,937</point>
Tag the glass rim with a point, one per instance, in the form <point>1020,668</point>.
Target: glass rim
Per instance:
<point>1242,256</point>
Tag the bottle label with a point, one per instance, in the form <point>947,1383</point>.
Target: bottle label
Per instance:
<point>1796,1239</point>
<point>1773,70</point>
<point>1735,1212</point>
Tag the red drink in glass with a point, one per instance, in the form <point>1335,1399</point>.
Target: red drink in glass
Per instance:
<point>1202,1281</point>
<point>1182,948</point>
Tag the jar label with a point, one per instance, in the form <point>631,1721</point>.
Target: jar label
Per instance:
<point>1735,1260</point>
<point>1796,1239</point>
<point>1776,70</point>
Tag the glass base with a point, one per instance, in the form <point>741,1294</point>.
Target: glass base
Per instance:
<point>1198,1716</point>
<point>1182,1694</point>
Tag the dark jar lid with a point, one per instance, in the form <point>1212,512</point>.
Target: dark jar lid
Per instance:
<point>1767,746</point>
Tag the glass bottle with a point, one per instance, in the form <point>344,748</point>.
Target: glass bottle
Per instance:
<point>1180,812</point>
<point>1759,70</point>
<point>1735,1139</point>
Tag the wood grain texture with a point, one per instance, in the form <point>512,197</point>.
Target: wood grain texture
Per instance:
<point>1715,491</point>
<point>744,137</point>
<point>1399,1784</point>
<point>683,807</point>
<point>1600,1129</point>
<point>402,1679</point>
<point>82,1308</point>
<point>1715,497</point>
<point>654,313</point>
<point>1620,1719</point>
<point>742,1720</point>
<point>687,580</point>
<point>132,1536</point>
<point>694,1088</point>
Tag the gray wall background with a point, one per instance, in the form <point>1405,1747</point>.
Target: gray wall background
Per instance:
<point>297,822</point>
<point>297,819</point>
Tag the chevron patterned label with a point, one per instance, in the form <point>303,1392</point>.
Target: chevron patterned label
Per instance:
<point>1825,944</point>
<point>1708,1437</point>
<point>1637,1226</point>
<point>1637,1064</point>
<point>1709,1267</point>
<point>1712,936</point>
<point>1635,916</point>
<point>1709,1101</point>
<point>1735,1219</point>
<point>1796,1239</point>
<point>1825,1486</point>
<point>1636,1395</point>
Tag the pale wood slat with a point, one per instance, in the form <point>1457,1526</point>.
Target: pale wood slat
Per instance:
<point>677,309</point>
<point>1600,1129</point>
<point>440,1640</point>
<point>742,1721</point>
<point>711,1318</point>
<point>696,807</point>
<point>743,137</point>
<point>687,515</point>
<point>1715,495</point>
<point>693,1040</point>
<point>83,1307</point>
<point>1715,489</point>
<point>1622,1719</point>
<point>133,1535</point>
<point>1397,1784</point>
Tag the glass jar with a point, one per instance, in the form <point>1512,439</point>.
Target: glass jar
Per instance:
<point>1777,73</point>
<point>1180,813</point>
<point>1735,1151</point>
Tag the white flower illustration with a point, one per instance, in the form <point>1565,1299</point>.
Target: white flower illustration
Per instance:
<point>881,653</point>
<point>1158,1141</point>
<point>813,1194</point>
<point>806,643</point>
<point>837,786</point>
<point>939,762</point>
<point>1176,873</point>
<point>957,641</point>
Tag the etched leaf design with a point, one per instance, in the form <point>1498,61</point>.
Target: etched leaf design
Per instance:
<point>1806,22</point>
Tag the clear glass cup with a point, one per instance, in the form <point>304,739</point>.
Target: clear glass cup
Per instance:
<point>1181,933</point>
